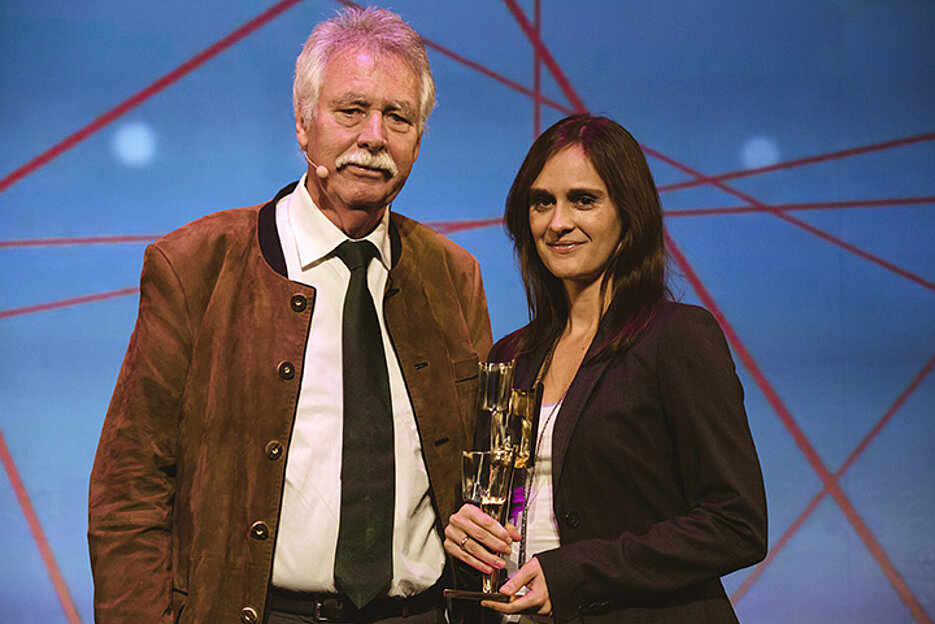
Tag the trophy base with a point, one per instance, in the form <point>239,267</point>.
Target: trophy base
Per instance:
<point>461,594</point>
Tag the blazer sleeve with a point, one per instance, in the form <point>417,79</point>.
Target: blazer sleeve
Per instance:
<point>723,526</point>
<point>133,478</point>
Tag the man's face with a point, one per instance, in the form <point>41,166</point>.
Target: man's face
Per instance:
<point>365,132</point>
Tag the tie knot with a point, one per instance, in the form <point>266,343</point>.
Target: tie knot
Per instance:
<point>356,254</point>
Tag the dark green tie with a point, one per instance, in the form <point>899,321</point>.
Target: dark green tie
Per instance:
<point>363,563</point>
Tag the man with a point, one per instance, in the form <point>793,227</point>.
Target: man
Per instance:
<point>284,439</point>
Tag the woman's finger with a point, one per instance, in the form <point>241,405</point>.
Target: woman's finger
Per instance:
<point>481,528</point>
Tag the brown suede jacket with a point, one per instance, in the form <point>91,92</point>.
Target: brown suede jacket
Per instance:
<point>187,483</point>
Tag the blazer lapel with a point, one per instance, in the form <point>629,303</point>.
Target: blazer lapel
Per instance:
<point>568,414</point>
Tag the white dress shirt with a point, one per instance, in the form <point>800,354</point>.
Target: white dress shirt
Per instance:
<point>310,517</point>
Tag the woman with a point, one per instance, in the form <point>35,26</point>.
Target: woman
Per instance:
<point>646,487</point>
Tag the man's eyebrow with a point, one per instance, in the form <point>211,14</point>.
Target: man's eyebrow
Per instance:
<point>348,99</point>
<point>401,105</point>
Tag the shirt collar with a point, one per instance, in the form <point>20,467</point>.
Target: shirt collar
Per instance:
<point>316,236</point>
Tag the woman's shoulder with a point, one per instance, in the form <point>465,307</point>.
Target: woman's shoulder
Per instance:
<point>685,329</point>
<point>677,314</point>
<point>507,348</point>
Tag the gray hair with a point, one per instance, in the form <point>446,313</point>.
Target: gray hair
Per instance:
<point>377,30</point>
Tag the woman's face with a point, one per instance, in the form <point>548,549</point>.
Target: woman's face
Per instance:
<point>574,224</point>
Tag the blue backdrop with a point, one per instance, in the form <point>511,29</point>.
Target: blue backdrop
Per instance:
<point>792,142</point>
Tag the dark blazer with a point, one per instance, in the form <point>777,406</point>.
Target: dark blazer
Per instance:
<point>657,486</point>
<point>187,484</point>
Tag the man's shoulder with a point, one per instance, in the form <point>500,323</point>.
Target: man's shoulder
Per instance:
<point>226,228</point>
<point>424,241</point>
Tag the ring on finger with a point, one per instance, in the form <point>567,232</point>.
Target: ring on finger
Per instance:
<point>463,541</point>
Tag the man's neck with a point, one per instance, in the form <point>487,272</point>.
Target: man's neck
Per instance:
<point>355,221</point>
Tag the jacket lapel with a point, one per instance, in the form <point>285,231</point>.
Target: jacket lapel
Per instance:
<point>580,390</point>
<point>568,414</point>
<point>268,235</point>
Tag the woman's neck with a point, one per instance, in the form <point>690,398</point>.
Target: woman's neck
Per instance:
<point>585,308</point>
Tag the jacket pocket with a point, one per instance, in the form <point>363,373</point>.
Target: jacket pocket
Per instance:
<point>179,599</point>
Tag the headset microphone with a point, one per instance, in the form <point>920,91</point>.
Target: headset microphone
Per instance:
<point>320,170</point>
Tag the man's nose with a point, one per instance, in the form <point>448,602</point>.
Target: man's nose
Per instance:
<point>371,135</point>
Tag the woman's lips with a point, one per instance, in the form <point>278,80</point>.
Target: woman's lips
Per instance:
<point>564,246</point>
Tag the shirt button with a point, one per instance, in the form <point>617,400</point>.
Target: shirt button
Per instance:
<point>298,303</point>
<point>259,531</point>
<point>286,370</point>
<point>274,450</point>
<point>248,615</point>
<point>572,520</point>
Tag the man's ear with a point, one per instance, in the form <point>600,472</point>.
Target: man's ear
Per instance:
<point>300,134</point>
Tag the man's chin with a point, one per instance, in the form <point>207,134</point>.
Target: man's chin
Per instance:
<point>366,194</point>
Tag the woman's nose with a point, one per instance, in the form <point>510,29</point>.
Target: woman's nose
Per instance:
<point>561,219</point>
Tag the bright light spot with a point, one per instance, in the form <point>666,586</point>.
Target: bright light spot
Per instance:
<point>134,144</point>
<point>759,151</point>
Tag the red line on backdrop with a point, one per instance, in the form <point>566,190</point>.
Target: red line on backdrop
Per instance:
<point>137,99</point>
<point>866,255</point>
<point>813,504</point>
<point>447,227</point>
<point>789,164</point>
<point>854,203</point>
<point>537,97</point>
<point>64,303</point>
<point>830,484</point>
<point>557,74</point>
<point>38,535</point>
<point>79,240</point>
<point>537,72</point>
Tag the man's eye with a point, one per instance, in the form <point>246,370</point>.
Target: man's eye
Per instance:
<point>398,120</point>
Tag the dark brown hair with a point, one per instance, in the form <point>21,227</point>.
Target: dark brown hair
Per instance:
<point>636,273</point>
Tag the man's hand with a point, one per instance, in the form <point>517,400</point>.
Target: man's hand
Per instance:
<point>476,539</point>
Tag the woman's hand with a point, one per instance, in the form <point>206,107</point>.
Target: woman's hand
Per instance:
<point>535,600</point>
<point>476,539</point>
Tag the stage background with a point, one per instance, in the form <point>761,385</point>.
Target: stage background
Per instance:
<point>792,143</point>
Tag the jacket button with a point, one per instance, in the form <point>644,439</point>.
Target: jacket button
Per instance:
<point>286,370</point>
<point>248,615</point>
<point>259,531</point>
<point>274,450</point>
<point>298,303</point>
<point>572,520</point>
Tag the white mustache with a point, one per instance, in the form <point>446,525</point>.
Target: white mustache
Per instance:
<point>363,158</point>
